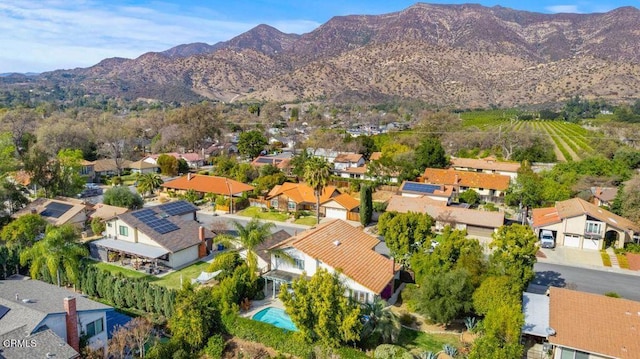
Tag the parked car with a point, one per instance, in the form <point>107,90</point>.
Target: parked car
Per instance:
<point>546,239</point>
<point>90,190</point>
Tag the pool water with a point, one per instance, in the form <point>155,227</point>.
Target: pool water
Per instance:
<point>276,317</point>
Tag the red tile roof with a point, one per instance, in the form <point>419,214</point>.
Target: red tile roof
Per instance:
<point>466,179</point>
<point>208,184</point>
<point>347,248</point>
<point>346,201</point>
<point>488,163</point>
<point>595,323</point>
<point>301,192</point>
<point>577,207</point>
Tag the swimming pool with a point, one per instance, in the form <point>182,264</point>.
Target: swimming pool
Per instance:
<point>276,317</point>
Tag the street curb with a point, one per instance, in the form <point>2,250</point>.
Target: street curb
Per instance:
<point>592,267</point>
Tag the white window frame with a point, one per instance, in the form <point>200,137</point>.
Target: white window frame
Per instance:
<point>123,231</point>
<point>359,296</point>
<point>588,227</point>
<point>298,263</point>
<point>95,323</point>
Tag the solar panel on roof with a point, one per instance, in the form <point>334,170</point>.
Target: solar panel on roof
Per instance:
<point>177,208</point>
<point>143,214</point>
<point>55,209</point>
<point>160,225</point>
<point>3,310</point>
<point>420,187</point>
<point>265,160</point>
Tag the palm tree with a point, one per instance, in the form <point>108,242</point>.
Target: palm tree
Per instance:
<point>58,250</point>
<point>380,319</point>
<point>252,235</point>
<point>149,183</point>
<point>316,173</point>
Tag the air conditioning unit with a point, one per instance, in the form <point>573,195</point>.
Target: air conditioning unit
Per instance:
<point>547,347</point>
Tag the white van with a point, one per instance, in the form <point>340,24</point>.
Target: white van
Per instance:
<point>546,239</point>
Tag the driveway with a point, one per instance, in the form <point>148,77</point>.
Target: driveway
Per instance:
<point>574,257</point>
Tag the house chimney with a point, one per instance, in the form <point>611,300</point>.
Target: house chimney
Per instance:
<point>73,339</point>
<point>189,176</point>
<point>202,247</point>
<point>201,233</point>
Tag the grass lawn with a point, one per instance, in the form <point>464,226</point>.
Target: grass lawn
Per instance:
<point>117,269</point>
<point>172,280</point>
<point>257,212</point>
<point>307,221</point>
<point>411,340</point>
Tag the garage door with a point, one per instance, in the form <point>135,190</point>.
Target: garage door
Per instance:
<point>479,231</point>
<point>571,241</point>
<point>590,244</point>
<point>336,213</point>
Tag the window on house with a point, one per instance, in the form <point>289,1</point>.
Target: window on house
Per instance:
<point>124,231</point>
<point>95,328</point>
<point>593,227</point>
<point>299,263</point>
<point>274,203</point>
<point>109,224</point>
<point>291,206</point>
<point>573,354</point>
<point>480,189</point>
<point>359,296</point>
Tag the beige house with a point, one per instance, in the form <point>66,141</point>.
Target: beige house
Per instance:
<point>490,186</point>
<point>486,165</point>
<point>58,211</point>
<point>579,224</point>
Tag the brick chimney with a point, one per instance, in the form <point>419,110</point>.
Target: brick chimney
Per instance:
<point>202,248</point>
<point>73,338</point>
<point>189,176</point>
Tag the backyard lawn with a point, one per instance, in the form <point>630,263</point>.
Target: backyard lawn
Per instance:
<point>172,280</point>
<point>418,341</point>
<point>257,212</point>
<point>117,269</point>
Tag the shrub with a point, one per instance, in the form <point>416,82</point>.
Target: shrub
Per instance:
<point>606,260</point>
<point>407,319</point>
<point>623,261</point>
<point>450,350</point>
<point>390,351</point>
<point>215,346</point>
<point>379,206</point>
<point>490,207</point>
<point>471,323</point>
<point>612,295</point>
<point>632,248</point>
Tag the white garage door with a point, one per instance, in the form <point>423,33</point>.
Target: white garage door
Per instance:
<point>590,244</point>
<point>479,231</point>
<point>336,213</point>
<point>571,241</point>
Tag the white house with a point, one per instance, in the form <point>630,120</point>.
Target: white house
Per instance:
<point>52,317</point>
<point>337,246</point>
<point>167,234</point>
<point>486,165</point>
<point>347,160</point>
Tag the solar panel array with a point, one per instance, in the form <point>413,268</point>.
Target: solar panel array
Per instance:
<point>177,208</point>
<point>420,187</point>
<point>160,225</point>
<point>3,310</point>
<point>267,160</point>
<point>55,209</point>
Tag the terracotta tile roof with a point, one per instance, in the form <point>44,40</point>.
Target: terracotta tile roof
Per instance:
<point>446,214</point>
<point>488,163</point>
<point>466,178</point>
<point>576,207</point>
<point>356,170</point>
<point>301,192</point>
<point>375,156</point>
<point>208,184</point>
<point>545,216</point>
<point>347,158</point>
<point>354,253</point>
<point>346,201</point>
<point>595,323</point>
<point>22,177</point>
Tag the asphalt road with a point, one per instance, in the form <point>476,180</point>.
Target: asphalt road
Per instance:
<point>224,222</point>
<point>588,280</point>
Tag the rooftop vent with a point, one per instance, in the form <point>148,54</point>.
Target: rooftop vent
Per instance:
<point>26,300</point>
<point>336,243</point>
<point>550,331</point>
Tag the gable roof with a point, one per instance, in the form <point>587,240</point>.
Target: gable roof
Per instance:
<point>466,178</point>
<point>606,194</point>
<point>208,184</point>
<point>354,253</point>
<point>105,211</point>
<point>57,211</point>
<point>262,249</point>
<point>301,192</point>
<point>594,323</point>
<point>185,236</point>
<point>108,164</point>
<point>446,214</point>
<point>426,189</point>
<point>577,207</point>
<point>48,345</point>
<point>487,163</point>
<point>279,162</point>
<point>344,200</point>
<point>141,165</point>
<point>348,158</point>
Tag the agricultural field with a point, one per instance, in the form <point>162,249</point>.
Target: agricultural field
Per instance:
<point>572,142</point>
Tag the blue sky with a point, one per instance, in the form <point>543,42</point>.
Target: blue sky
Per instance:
<point>43,35</point>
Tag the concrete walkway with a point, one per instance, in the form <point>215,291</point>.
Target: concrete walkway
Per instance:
<point>581,258</point>
<point>613,257</point>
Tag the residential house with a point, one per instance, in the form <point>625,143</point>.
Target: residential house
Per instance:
<point>293,197</point>
<point>478,224</point>
<point>337,246</point>
<point>57,211</point>
<point>342,206</point>
<point>593,326</point>
<point>105,211</point>
<point>204,184</point>
<point>168,234</point>
<point>604,196</point>
<point>281,161</point>
<point>490,186</point>
<point>327,154</point>
<point>142,167</point>
<point>579,224</point>
<point>194,160</point>
<point>88,170</point>
<point>435,192</point>
<point>262,251</point>
<point>486,165</point>
<point>347,160</point>
<point>48,320</point>
<point>108,167</point>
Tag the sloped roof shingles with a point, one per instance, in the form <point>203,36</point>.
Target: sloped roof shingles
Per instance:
<point>301,192</point>
<point>466,178</point>
<point>208,184</point>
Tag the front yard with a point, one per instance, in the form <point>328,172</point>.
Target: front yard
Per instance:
<point>257,212</point>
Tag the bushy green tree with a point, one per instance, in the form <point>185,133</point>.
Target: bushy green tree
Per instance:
<point>196,318</point>
<point>404,233</point>
<point>168,165</point>
<point>430,154</point>
<point>320,310</point>
<point>381,321</point>
<point>251,143</point>
<point>514,254</point>
<point>122,197</point>
<point>470,197</point>
<point>445,296</point>
<point>23,231</point>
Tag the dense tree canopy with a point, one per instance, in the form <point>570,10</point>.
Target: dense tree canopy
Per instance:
<point>404,233</point>
<point>121,196</point>
<point>514,254</point>
<point>251,143</point>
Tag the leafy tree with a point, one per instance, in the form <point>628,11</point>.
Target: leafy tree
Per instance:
<point>430,154</point>
<point>149,183</point>
<point>8,160</point>
<point>168,165</point>
<point>196,317</point>
<point>266,183</point>
<point>404,233</point>
<point>630,199</point>
<point>470,197</point>
<point>298,163</point>
<point>445,296</point>
<point>97,225</point>
<point>251,143</point>
<point>122,197</point>
<point>56,176</point>
<point>320,310</point>
<point>70,182</point>
<point>190,196</point>
<point>316,174</point>
<point>381,320</point>
<point>366,204</point>
<point>526,191</point>
<point>13,196</point>
<point>485,298</point>
<point>57,251</point>
<point>514,254</point>
<point>23,231</point>
<point>250,236</point>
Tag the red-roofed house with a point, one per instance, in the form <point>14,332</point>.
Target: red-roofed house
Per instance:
<point>292,197</point>
<point>204,184</point>
<point>490,186</point>
<point>338,246</point>
<point>343,207</point>
<point>580,224</point>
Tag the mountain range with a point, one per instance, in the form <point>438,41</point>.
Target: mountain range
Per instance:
<point>448,55</point>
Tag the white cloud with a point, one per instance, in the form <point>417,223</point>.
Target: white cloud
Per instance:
<point>42,35</point>
<point>563,9</point>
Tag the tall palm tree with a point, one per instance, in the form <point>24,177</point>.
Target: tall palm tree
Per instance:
<point>380,319</point>
<point>251,235</point>
<point>149,183</point>
<point>316,173</point>
<point>58,250</point>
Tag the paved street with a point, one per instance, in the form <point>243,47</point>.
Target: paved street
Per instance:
<point>588,280</point>
<point>224,222</point>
